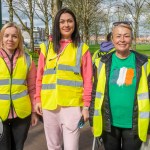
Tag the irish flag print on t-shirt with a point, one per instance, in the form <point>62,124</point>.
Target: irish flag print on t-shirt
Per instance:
<point>125,76</point>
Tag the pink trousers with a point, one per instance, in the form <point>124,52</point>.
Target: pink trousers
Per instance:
<point>61,127</point>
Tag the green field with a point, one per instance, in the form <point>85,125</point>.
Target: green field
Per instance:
<point>142,48</point>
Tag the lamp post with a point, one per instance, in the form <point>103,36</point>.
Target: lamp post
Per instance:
<point>0,15</point>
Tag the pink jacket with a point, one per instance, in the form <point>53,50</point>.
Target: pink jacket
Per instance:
<point>31,78</point>
<point>86,71</point>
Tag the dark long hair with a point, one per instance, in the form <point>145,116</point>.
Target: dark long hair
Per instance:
<point>109,36</point>
<point>56,30</point>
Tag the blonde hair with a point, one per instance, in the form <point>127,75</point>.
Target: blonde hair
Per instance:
<point>20,44</point>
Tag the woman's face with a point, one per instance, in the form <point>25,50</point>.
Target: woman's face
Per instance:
<point>66,25</point>
<point>122,38</point>
<point>10,39</point>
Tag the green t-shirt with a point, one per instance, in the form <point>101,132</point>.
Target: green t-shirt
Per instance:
<point>122,86</point>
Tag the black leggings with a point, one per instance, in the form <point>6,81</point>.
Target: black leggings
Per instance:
<point>15,133</point>
<point>121,139</point>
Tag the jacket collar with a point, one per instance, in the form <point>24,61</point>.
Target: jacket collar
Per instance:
<point>140,58</point>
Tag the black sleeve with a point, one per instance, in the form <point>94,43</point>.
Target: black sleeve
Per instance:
<point>91,109</point>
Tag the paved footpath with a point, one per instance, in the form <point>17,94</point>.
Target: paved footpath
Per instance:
<point>36,138</point>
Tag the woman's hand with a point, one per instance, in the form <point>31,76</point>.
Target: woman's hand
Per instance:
<point>85,113</point>
<point>34,119</point>
<point>38,109</point>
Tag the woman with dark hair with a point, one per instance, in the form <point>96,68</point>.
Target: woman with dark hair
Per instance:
<point>64,83</point>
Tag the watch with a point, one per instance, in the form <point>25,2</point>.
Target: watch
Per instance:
<point>85,108</point>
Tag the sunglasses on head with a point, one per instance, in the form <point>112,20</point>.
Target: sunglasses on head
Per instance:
<point>122,22</point>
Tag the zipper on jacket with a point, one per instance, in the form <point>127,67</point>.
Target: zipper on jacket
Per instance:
<point>108,68</point>
<point>138,75</point>
<point>11,72</point>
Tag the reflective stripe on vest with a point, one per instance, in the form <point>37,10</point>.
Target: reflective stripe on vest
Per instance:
<point>48,86</point>
<point>143,96</point>
<point>96,113</point>
<point>62,82</point>
<point>14,96</point>
<point>100,67</point>
<point>75,69</point>
<point>14,81</point>
<point>97,118</point>
<point>145,67</point>
<point>50,71</point>
<point>28,61</point>
<point>69,83</point>
<point>144,115</point>
<point>98,95</point>
<point>143,103</point>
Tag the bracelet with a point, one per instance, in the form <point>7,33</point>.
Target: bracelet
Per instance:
<point>85,108</point>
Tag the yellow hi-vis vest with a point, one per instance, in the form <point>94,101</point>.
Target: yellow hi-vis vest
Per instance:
<point>142,98</point>
<point>98,52</point>
<point>62,83</point>
<point>13,88</point>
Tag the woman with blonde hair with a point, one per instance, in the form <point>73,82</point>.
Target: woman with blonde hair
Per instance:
<point>17,88</point>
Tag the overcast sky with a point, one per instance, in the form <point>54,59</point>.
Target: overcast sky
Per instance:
<point>39,23</point>
<point>5,16</point>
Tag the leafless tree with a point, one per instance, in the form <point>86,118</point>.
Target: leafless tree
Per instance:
<point>147,15</point>
<point>43,12</point>
<point>25,9</point>
<point>55,6</point>
<point>9,3</point>
<point>86,12</point>
<point>135,9</point>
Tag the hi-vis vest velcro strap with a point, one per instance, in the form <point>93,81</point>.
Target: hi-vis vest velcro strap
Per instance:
<point>14,96</point>
<point>76,68</point>
<point>14,81</point>
<point>62,82</point>
<point>28,60</point>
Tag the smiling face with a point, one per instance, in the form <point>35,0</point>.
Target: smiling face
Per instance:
<point>122,38</point>
<point>10,39</point>
<point>66,25</point>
